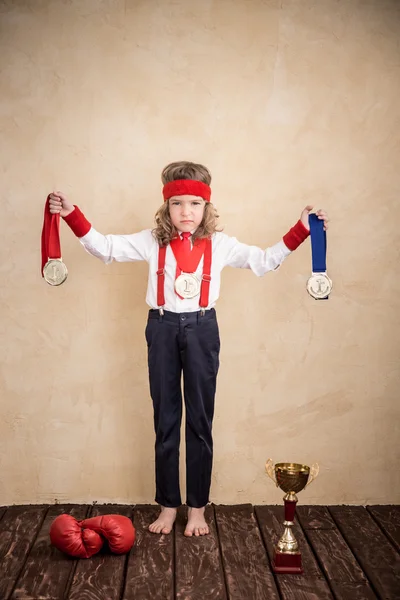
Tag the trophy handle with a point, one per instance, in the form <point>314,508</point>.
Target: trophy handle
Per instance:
<point>269,467</point>
<point>314,470</point>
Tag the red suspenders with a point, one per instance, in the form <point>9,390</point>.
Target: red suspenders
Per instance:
<point>161,276</point>
<point>205,282</point>
<point>206,279</point>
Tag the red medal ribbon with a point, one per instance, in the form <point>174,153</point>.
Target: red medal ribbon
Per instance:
<point>188,261</point>
<point>185,249</point>
<point>51,247</point>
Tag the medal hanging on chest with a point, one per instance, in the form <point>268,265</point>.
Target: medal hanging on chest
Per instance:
<point>54,269</point>
<point>187,277</point>
<point>187,285</point>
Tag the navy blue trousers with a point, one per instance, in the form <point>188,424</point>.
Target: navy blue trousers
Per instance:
<point>185,343</point>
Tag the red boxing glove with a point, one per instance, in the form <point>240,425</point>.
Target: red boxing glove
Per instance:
<point>67,535</point>
<point>117,529</point>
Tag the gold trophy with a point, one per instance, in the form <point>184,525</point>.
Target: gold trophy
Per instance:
<point>290,478</point>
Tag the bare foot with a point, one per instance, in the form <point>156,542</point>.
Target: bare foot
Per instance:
<point>196,524</point>
<point>165,521</point>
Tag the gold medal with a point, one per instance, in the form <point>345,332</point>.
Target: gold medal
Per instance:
<point>55,271</point>
<point>319,286</point>
<point>187,285</point>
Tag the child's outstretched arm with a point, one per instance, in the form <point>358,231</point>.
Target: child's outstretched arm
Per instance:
<point>261,261</point>
<point>121,248</point>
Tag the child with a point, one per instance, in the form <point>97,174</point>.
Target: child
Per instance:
<point>186,254</point>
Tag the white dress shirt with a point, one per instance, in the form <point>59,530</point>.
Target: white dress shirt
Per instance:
<point>226,252</point>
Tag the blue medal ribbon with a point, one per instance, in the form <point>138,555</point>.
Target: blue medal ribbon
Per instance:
<point>318,245</point>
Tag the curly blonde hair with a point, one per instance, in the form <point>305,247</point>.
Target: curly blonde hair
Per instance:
<point>164,230</point>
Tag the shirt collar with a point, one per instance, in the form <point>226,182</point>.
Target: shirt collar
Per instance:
<point>191,232</point>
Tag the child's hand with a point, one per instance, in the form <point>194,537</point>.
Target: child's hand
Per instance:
<point>59,203</point>
<point>321,214</point>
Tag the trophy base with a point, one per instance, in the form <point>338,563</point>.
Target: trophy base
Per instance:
<point>287,563</point>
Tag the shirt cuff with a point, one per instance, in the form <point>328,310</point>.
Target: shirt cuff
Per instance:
<point>296,236</point>
<point>78,222</point>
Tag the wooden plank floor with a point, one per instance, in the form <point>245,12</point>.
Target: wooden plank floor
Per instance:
<point>349,553</point>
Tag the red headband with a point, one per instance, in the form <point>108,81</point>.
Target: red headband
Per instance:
<point>180,187</point>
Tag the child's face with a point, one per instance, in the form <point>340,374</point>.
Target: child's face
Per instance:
<point>186,211</point>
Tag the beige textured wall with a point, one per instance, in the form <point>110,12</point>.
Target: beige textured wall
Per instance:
<point>288,102</point>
